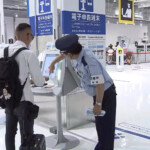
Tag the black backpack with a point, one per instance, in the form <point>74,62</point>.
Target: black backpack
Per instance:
<point>10,86</point>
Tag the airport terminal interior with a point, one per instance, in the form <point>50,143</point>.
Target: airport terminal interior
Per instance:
<point>63,104</point>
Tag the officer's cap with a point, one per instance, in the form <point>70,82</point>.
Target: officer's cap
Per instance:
<point>67,43</point>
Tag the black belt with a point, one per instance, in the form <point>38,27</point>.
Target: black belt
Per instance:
<point>111,87</point>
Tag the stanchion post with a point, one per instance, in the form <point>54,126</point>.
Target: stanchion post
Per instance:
<point>120,59</point>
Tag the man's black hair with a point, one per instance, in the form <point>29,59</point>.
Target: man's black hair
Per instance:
<point>22,26</point>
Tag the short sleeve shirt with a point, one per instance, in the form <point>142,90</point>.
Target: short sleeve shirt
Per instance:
<point>86,66</point>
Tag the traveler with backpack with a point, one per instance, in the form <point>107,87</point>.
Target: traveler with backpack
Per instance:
<point>17,65</point>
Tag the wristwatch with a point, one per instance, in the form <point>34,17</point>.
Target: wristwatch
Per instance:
<point>99,104</point>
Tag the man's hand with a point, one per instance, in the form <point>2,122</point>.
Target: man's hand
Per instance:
<point>51,68</point>
<point>97,110</point>
<point>31,81</point>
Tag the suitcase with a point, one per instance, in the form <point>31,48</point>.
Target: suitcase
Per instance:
<point>35,142</point>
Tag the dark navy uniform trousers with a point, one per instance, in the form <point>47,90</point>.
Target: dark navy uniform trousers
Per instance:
<point>105,125</point>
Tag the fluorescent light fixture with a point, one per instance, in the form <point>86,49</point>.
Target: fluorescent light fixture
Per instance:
<point>25,3</point>
<point>146,5</point>
<point>16,15</point>
<point>137,15</point>
<point>139,1</point>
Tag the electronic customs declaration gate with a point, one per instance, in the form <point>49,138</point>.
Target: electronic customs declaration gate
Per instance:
<point>87,20</point>
<point>73,114</point>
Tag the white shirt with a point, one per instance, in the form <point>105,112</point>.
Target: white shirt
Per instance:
<point>88,68</point>
<point>110,52</point>
<point>28,65</point>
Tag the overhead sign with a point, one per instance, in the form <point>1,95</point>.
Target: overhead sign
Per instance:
<point>32,23</point>
<point>44,24</point>
<point>82,23</point>
<point>40,16</point>
<point>86,5</point>
<point>37,7</point>
<point>126,11</point>
<point>83,17</point>
<point>44,6</point>
<point>87,19</point>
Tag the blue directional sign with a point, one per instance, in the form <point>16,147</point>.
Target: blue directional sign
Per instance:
<point>86,5</point>
<point>32,23</point>
<point>44,6</point>
<point>45,24</point>
<point>83,23</point>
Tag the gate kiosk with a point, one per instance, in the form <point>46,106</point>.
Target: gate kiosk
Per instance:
<point>148,52</point>
<point>61,88</point>
<point>141,56</point>
<point>120,59</point>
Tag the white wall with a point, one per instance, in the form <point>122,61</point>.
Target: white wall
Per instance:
<point>59,4</point>
<point>9,28</point>
<point>2,34</point>
<point>148,30</point>
<point>21,20</point>
<point>132,32</point>
<point>10,25</point>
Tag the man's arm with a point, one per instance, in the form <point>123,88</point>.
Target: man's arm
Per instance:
<point>35,71</point>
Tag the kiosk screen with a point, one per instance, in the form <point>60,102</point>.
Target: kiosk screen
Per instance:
<point>48,59</point>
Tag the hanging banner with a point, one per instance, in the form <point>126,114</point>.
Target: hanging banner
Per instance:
<point>126,11</point>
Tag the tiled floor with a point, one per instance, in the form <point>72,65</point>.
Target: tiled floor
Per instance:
<point>133,113</point>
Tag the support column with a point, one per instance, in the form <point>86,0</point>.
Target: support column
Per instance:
<point>2,30</point>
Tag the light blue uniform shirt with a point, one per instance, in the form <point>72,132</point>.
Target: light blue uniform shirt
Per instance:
<point>89,67</point>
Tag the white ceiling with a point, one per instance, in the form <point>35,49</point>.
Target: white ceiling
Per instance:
<point>13,7</point>
<point>142,9</point>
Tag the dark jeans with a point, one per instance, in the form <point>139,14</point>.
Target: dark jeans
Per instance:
<point>105,125</point>
<point>26,128</point>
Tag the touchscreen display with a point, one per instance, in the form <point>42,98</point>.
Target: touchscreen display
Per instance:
<point>48,59</point>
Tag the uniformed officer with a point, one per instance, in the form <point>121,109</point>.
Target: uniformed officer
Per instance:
<point>96,82</point>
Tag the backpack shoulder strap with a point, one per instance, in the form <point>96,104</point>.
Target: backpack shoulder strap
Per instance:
<point>18,51</point>
<point>6,52</point>
<point>83,61</point>
<point>24,83</point>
